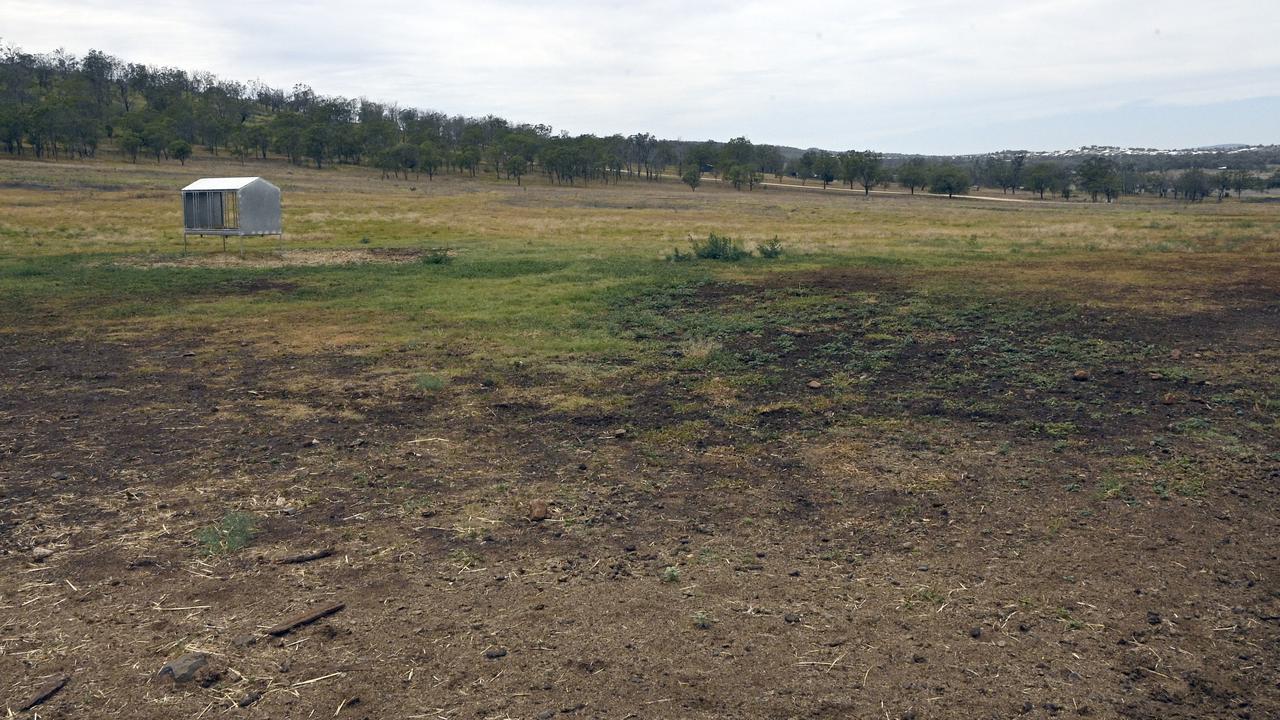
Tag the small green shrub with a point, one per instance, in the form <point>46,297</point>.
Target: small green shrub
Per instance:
<point>702,620</point>
<point>231,533</point>
<point>671,574</point>
<point>720,247</point>
<point>429,382</point>
<point>770,249</point>
<point>676,256</point>
<point>437,256</point>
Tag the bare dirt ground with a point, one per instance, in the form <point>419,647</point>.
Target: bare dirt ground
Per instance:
<point>946,527</point>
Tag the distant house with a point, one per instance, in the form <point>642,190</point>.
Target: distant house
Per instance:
<point>231,206</point>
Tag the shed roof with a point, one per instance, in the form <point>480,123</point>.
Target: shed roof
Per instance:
<point>227,183</point>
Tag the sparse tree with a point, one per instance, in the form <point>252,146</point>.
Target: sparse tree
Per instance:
<point>130,143</point>
<point>692,178</point>
<point>1044,177</point>
<point>913,174</point>
<point>516,166</point>
<point>949,179</point>
<point>1193,185</point>
<point>1097,176</point>
<point>180,150</point>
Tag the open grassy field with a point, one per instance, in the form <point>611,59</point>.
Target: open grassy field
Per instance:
<point>940,459</point>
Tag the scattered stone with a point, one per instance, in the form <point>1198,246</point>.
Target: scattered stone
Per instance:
<point>183,669</point>
<point>922,568</point>
<point>189,353</point>
<point>975,632</point>
<point>1154,618</point>
<point>45,692</point>
<point>547,714</point>
<point>791,618</point>
<point>814,385</point>
<point>310,443</point>
<point>1169,399</point>
<point>41,553</point>
<point>538,510</point>
<point>357,443</point>
<point>244,641</point>
<point>1080,375</point>
<point>58,475</point>
<point>249,698</point>
<point>495,653</point>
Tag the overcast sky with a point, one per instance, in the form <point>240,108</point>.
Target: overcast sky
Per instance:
<point>928,76</point>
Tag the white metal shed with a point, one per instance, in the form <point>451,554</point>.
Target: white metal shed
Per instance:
<point>231,206</point>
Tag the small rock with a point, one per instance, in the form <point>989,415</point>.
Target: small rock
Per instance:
<point>792,618</point>
<point>310,443</point>
<point>249,698</point>
<point>1154,618</point>
<point>547,714</point>
<point>495,653</point>
<point>245,641</point>
<point>1175,354</point>
<point>184,668</point>
<point>918,659</point>
<point>58,475</point>
<point>1080,375</point>
<point>814,385</point>
<point>975,632</point>
<point>922,568</point>
<point>357,443</point>
<point>1169,399</point>
<point>40,553</point>
<point>538,510</point>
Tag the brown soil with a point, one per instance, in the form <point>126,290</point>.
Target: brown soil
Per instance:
<point>873,552</point>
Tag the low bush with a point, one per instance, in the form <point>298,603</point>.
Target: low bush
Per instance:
<point>770,249</point>
<point>720,247</point>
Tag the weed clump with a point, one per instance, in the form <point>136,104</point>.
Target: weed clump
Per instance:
<point>671,574</point>
<point>233,532</point>
<point>715,247</point>
<point>770,249</point>
<point>720,247</point>
<point>437,256</point>
<point>429,382</point>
